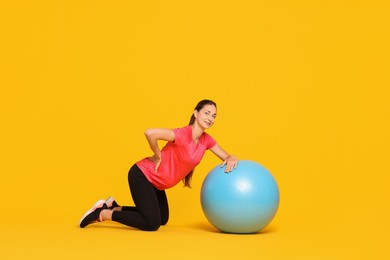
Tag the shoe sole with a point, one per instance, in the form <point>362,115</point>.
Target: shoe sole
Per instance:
<point>97,205</point>
<point>109,201</point>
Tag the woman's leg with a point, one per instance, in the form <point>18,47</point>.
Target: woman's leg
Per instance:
<point>146,213</point>
<point>162,202</point>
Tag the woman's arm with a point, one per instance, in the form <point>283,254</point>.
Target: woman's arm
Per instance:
<point>230,161</point>
<point>154,134</point>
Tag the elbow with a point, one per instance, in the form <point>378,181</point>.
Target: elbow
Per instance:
<point>148,132</point>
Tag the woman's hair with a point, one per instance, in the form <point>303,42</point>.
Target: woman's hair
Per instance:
<point>199,106</point>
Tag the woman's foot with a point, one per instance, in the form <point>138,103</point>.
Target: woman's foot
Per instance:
<point>93,215</point>
<point>106,214</point>
<point>111,203</point>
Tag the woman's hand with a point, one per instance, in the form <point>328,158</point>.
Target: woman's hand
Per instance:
<point>156,160</point>
<point>154,134</point>
<point>230,162</point>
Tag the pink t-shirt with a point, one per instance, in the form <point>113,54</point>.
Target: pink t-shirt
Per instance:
<point>178,158</point>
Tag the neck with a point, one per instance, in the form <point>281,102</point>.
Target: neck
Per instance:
<point>197,131</point>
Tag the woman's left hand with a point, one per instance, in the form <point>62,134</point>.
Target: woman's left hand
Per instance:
<point>230,162</point>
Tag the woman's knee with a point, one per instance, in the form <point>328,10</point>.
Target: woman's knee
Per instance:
<point>153,222</point>
<point>152,226</point>
<point>164,220</point>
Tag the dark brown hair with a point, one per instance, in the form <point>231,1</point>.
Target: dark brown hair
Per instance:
<point>199,106</point>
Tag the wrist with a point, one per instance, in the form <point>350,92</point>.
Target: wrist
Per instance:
<point>232,158</point>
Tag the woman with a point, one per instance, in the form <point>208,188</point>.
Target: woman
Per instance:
<point>150,177</point>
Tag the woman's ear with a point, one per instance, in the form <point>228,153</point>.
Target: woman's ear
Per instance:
<point>196,113</point>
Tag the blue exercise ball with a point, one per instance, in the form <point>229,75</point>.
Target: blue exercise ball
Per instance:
<point>243,201</point>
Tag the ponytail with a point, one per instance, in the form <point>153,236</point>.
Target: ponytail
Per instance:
<point>199,106</point>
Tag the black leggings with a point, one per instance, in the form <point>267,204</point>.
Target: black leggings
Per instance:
<point>151,205</point>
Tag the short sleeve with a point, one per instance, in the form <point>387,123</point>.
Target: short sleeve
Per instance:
<point>180,135</point>
<point>209,141</point>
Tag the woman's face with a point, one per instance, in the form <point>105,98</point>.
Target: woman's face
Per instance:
<point>206,116</point>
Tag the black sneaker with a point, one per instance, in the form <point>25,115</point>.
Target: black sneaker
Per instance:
<point>92,215</point>
<point>111,203</point>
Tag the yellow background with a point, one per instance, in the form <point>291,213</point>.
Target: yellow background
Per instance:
<point>302,87</point>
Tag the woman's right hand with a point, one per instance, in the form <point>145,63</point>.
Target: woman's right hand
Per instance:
<point>154,134</point>
<point>156,160</point>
